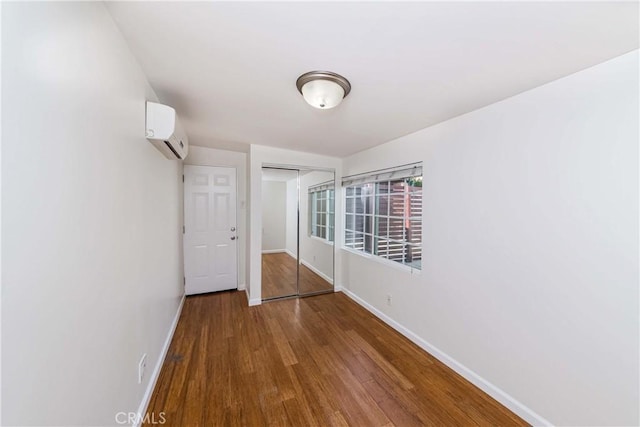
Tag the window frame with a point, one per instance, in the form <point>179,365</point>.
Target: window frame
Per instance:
<point>321,217</point>
<point>376,225</point>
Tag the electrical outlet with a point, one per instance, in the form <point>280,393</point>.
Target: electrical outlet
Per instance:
<point>389,299</point>
<point>141,367</point>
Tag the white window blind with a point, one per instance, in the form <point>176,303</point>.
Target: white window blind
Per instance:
<point>390,174</point>
<point>329,185</point>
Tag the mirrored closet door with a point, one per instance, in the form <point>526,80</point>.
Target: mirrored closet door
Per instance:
<point>317,195</point>
<point>298,206</point>
<point>279,233</point>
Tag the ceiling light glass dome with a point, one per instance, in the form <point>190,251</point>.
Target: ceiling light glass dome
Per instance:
<point>323,89</point>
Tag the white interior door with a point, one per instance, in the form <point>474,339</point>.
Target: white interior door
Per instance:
<point>210,235</point>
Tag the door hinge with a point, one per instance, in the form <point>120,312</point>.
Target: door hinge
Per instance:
<point>183,229</point>
<point>184,281</point>
<point>182,177</point>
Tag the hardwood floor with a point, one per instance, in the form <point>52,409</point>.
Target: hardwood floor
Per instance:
<point>279,277</point>
<point>317,361</point>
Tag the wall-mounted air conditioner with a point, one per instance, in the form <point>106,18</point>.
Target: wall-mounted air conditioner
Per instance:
<point>164,131</point>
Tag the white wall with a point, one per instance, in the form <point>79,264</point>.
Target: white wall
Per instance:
<point>530,270</point>
<point>274,215</point>
<point>202,156</point>
<point>91,211</point>
<point>0,223</point>
<point>292,218</point>
<point>259,156</point>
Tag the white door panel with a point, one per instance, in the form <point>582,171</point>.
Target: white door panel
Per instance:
<point>210,243</point>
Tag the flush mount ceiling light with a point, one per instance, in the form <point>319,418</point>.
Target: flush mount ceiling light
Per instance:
<point>323,89</point>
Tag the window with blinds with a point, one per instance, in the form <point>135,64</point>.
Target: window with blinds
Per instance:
<point>383,214</point>
<point>321,211</point>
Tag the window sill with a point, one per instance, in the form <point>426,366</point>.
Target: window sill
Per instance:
<point>385,262</point>
<point>319,239</point>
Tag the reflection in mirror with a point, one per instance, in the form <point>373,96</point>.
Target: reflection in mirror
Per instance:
<point>317,231</point>
<point>279,232</point>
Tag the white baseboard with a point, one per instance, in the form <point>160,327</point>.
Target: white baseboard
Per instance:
<point>315,270</point>
<point>273,251</point>
<point>291,254</point>
<point>142,409</point>
<point>505,399</point>
<point>252,301</point>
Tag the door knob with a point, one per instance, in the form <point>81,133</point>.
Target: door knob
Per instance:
<point>233,237</point>
<point>233,229</point>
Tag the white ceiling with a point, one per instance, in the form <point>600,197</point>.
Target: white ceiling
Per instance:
<point>230,68</point>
